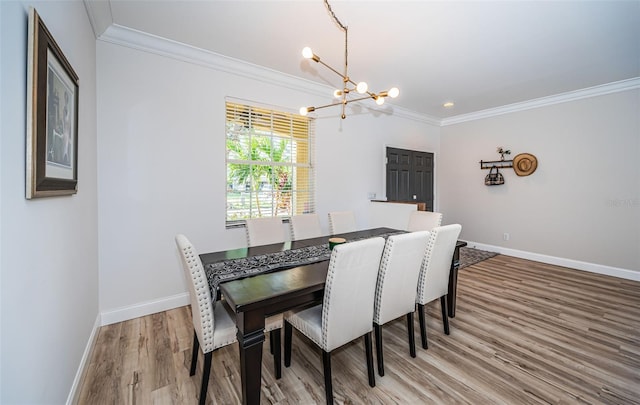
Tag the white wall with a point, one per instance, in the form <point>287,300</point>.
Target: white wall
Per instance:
<point>161,167</point>
<point>48,246</point>
<point>583,201</point>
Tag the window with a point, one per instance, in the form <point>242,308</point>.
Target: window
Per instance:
<point>269,163</point>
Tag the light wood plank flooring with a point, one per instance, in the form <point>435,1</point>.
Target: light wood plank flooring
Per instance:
<point>524,333</point>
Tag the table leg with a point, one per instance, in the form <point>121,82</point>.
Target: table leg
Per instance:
<point>453,283</point>
<point>250,339</point>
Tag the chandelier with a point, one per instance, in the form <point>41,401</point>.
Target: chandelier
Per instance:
<point>348,85</point>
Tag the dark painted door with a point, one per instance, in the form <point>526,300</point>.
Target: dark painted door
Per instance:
<point>410,176</point>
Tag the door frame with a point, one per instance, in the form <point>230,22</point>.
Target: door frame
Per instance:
<point>435,171</point>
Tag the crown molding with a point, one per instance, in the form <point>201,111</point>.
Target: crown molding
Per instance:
<point>424,118</point>
<point>99,13</point>
<point>135,39</point>
<point>131,38</point>
<point>622,85</point>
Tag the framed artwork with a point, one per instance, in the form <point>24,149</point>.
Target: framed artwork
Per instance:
<point>52,116</point>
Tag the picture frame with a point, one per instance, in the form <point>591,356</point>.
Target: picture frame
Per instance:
<point>52,116</point>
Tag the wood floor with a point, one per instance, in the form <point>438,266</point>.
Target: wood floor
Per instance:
<point>524,333</point>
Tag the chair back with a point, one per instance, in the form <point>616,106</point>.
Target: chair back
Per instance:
<point>347,308</point>
<point>199,293</point>
<point>434,275</point>
<point>424,220</point>
<point>398,275</point>
<point>342,222</point>
<point>264,231</point>
<point>305,226</point>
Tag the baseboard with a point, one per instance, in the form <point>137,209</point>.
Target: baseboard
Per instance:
<point>119,315</point>
<point>84,361</point>
<point>560,261</point>
<point>144,308</point>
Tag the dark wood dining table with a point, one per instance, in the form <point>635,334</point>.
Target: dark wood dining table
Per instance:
<point>256,297</point>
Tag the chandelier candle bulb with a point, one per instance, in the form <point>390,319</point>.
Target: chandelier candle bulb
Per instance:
<point>307,53</point>
<point>305,110</point>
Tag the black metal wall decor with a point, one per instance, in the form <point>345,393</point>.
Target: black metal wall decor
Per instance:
<point>501,164</point>
<point>523,164</point>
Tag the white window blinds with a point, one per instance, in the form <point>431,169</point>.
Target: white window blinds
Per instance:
<point>269,163</point>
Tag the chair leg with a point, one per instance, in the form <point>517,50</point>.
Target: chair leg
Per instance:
<point>410,332</point>
<point>378,334</point>
<point>205,378</point>
<point>194,354</point>
<point>369,352</point>
<point>288,331</point>
<point>445,316</point>
<point>275,345</point>
<point>423,326</point>
<point>271,343</point>
<point>328,387</point>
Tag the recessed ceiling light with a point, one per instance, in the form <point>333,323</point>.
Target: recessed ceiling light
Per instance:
<point>448,104</point>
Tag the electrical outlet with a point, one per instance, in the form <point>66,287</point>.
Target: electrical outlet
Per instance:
<point>505,236</point>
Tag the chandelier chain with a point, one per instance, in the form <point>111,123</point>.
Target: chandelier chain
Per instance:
<point>333,15</point>
<point>346,47</point>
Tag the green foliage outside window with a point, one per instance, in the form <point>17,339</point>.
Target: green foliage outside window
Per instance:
<point>268,164</point>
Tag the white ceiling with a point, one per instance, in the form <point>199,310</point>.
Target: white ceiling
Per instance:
<point>478,54</point>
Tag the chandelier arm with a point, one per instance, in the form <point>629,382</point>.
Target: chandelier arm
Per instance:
<point>330,68</point>
<point>328,105</point>
<point>360,98</point>
<point>352,82</point>
<point>343,102</point>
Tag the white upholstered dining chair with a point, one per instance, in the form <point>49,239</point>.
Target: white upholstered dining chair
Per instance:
<point>305,226</point>
<point>396,286</point>
<point>213,327</point>
<point>434,274</point>
<point>424,220</point>
<point>264,231</point>
<point>342,222</point>
<point>347,307</point>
